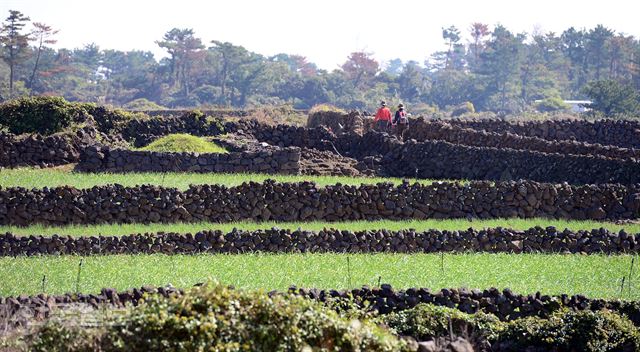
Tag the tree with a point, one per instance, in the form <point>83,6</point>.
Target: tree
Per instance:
<point>479,31</point>
<point>612,98</point>
<point>361,69</point>
<point>183,47</point>
<point>43,34</point>
<point>452,37</point>
<point>14,42</point>
<point>501,63</point>
<point>596,44</point>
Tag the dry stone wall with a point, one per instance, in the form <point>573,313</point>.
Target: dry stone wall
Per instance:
<point>144,131</point>
<point>622,133</point>
<point>439,159</point>
<point>305,201</point>
<point>499,240</point>
<point>270,160</point>
<point>444,160</point>
<point>505,304</point>
<point>422,130</point>
<point>43,151</point>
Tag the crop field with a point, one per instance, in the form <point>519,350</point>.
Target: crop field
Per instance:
<point>38,178</point>
<point>597,276</point>
<point>419,225</point>
<point>501,227</point>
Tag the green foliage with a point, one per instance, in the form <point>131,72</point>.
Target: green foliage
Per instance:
<point>43,115</point>
<point>221,319</point>
<point>142,104</point>
<point>464,108</point>
<point>551,104</point>
<point>428,321</point>
<point>181,142</point>
<point>612,98</point>
<point>325,108</point>
<point>572,331</point>
<point>109,120</point>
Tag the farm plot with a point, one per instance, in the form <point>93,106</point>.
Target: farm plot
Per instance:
<point>69,231</point>
<point>597,276</point>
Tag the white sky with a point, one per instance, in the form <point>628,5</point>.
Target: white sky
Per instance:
<point>324,31</point>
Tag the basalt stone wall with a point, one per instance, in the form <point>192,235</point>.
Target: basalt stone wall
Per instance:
<point>220,113</point>
<point>622,133</point>
<point>439,130</point>
<point>534,240</point>
<point>269,160</point>
<point>505,304</point>
<point>284,135</point>
<point>43,151</point>
<point>305,201</point>
<point>444,160</point>
<point>143,131</point>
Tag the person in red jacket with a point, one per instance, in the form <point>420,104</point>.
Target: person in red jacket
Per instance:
<point>383,118</point>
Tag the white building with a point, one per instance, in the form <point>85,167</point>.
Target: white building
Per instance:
<point>578,105</point>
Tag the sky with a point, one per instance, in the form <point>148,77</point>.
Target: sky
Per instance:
<point>325,31</point>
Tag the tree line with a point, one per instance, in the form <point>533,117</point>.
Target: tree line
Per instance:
<point>494,69</point>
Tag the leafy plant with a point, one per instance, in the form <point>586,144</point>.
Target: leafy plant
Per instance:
<point>45,115</point>
<point>180,142</point>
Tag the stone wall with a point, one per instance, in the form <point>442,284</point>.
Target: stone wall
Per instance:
<point>443,160</point>
<point>422,130</point>
<point>144,131</point>
<point>622,133</point>
<point>43,151</point>
<point>305,201</point>
<point>505,304</point>
<point>534,240</point>
<point>439,159</point>
<point>269,160</point>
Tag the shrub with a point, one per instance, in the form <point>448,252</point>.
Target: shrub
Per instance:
<point>142,104</point>
<point>325,108</point>
<point>180,142</point>
<point>110,120</point>
<point>428,321</point>
<point>572,331</point>
<point>551,104</point>
<point>44,115</point>
<point>222,319</point>
<point>464,108</point>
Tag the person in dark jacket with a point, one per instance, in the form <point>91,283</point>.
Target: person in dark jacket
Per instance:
<point>401,121</point>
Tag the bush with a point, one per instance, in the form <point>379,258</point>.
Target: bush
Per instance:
<point>180,142</point>
<point>325,108</point>
<point>142,104</point>
<point>571,331</point>
<point>551,104</point>
<point>44,115</point>
<point>464,108</point>
<point>222,319</point>
<point>110,120</point>
<point>428,321</point>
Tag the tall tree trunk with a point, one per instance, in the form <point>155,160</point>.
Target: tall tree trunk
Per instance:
<point>35,69</point>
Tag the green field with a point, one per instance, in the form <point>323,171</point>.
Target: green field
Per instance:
<point>39,178</point>
<point>454,224</point>
<point>592,275</point>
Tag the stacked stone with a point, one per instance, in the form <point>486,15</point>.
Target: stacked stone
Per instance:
<point>304,201</point>
<point>270,160</point>
<point>498,240</point>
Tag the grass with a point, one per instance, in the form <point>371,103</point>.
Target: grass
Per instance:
<point>454,224</point>
<point>595,276</point>
<point>39,178</point>
<point>181,142</point>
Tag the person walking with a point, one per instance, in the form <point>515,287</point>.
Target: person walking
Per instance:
<point>382,120</point>
<point>401,122</point>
